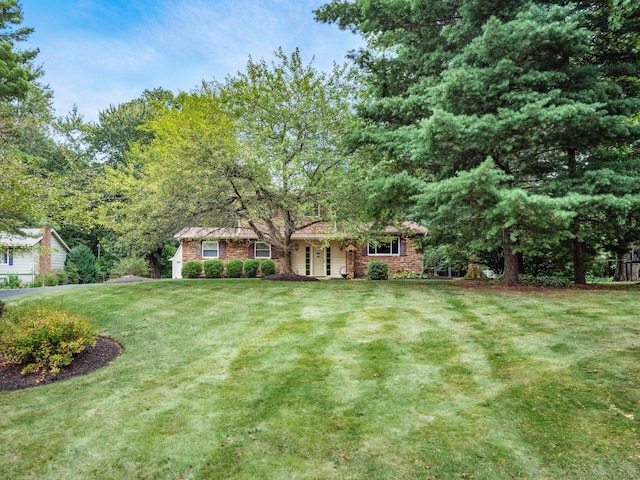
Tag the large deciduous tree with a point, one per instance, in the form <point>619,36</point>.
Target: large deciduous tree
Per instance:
<point>536,87</point>
<point>263,148</point>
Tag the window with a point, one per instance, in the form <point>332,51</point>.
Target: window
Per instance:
<point>209,249</point>
<point>4,258</point>
<point>387,248</point>
<point>262,250</point>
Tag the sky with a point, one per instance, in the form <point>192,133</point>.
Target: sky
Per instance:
<point>97,53</point>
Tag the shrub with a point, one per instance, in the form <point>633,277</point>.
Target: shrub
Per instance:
<point>73,276</point>
<point>268,267</point>
<point>192,269</point>
<point>11,281</point>
<point>213,268</point>
<point>234,268</point>
<point>63,278</point>
<point>377,270</point>
<point>85,262</point>
<point>251,267</point>
<point>44,338</point>
<point>52,278</point>
<point>138,267</point>
<point>2,307</point>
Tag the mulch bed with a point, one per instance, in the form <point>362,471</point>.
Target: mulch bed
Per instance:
<point>92,358</point>
<point>290,277</point>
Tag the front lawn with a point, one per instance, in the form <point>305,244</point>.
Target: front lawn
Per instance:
<point>248,379</point>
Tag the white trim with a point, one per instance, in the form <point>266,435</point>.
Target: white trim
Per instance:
<point>217,255</point>
<point>370,246</point>
<point>255,250</point>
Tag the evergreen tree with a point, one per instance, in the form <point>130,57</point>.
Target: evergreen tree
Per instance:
<point>537,87</point>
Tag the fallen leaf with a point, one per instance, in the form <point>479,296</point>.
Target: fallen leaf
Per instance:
<point>347,458</point>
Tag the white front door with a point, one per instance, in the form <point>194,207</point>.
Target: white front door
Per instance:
<point>318,261</point>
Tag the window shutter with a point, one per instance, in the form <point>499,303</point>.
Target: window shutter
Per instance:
<point>10,255</point>
<point>222,249</point>
<point>198,251</point>
<point>403,247</point>
<point>274,253</point>
<point>365,250</point>
<point>251,253</point>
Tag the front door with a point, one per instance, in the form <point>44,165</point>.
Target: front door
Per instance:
<point>318,260</point>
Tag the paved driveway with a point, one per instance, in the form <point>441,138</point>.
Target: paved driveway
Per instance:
<point>22,291</point>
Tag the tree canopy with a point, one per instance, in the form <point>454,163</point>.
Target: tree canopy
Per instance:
<point>263,148</point>
<point>545,90</point>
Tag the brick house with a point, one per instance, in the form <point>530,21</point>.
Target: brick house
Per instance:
<point>38,251</point>
<point>318,250</point>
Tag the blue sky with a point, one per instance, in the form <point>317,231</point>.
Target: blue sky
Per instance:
<point>97,53</point>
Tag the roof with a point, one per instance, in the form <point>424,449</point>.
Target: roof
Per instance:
<point>315,231</point>
<point>31,238</point>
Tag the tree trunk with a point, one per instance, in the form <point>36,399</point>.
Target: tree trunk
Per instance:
<point>520,263</point>
<point>285,261</point>
<point>620,274</point>
<point>154,263</point>
<point>510,276</point>
<point>579,274</point>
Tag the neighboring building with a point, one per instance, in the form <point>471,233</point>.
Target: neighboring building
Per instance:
<point>318,250</point>
<point>38,251</point>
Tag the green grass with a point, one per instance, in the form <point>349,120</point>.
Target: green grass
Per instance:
<point>247,379</point>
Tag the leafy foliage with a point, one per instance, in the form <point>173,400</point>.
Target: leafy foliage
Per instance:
<point>377,270</point>
<point>268,267</point>
<point>135,266</point>
<point>234,268</point>
<point>44,338</point>
<point>213,268</point>
<point>16,69</point>
<point>85,261</point>
<point>264,147</point>
<point>73,275</point>
<point>546,91</point>
<point>192,269</point>
<point>251,267</point>
<point>11,281</point>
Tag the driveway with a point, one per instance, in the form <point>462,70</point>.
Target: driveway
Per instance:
<point>22,291</point>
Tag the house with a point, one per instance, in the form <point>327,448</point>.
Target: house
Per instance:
<point>38,251</point>
<point>318,250</point>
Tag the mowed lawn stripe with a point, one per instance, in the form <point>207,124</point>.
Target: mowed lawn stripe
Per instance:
<point>398,379</point>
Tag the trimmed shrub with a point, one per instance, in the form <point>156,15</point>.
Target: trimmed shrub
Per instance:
<point>268,267</point>
<point>44,338</point>
<point>71,270</point>
<point>234,268</point>
<point>138,267</point>
<point>192,269</point>
<point>85,262</point>
<point>251,267</point>
<point>213,268</point>
<point>377,270</point>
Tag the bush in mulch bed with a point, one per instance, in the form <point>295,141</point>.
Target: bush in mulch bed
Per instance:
<point>290,277</point>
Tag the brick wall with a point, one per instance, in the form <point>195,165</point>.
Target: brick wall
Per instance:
<point>411,262</point>
<point>234,250</point>
<point>45,252</point>
<point>237,250</point>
